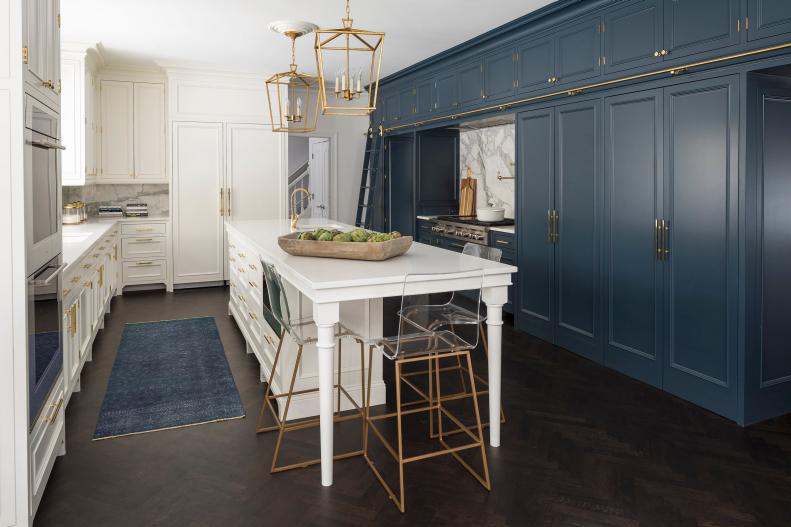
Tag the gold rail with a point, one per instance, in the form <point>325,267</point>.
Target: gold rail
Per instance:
<point>675,70</point>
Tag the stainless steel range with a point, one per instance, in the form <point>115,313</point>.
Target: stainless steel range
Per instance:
<point>465,228</point>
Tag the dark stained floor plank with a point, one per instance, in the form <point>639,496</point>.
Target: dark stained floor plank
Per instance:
<point>583,446</point>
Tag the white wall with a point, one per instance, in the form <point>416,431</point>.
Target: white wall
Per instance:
<point>13,316</point>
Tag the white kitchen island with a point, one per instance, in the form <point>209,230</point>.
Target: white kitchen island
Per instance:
<point>330,283</point>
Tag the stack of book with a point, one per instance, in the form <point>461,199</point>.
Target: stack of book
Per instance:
<point>136,209</point>
<point>111,211</point>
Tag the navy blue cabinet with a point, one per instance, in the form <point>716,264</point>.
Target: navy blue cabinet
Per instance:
<point>633,36</point>
<point>559,225</point>
<point>424,97</point>
<point>499,74</point>
<point>392,107</point>
<point>633,155</point>
<point>695,26</point>
<point>535,65</point>
<point>768,18</point>
<point>406,103</point>
<point>577,226</point>
<point>400,168</point>
<point>446,89</point>
<point>437,172</point>
<point>424,234</point>
<point>470,76</point>
<point>535,201</point>
<point>578,52</point>
<point>506,242</point>
<point>701,129</point>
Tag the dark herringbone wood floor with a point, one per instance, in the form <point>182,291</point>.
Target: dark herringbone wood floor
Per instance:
<point>583,446</point>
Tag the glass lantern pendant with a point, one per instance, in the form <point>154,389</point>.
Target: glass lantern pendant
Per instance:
<point>293,96</point>
<point>349,61</point>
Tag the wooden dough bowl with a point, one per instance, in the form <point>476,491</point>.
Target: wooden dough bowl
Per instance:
<point>374,251</point>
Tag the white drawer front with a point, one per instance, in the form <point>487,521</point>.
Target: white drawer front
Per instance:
<point>143,247</point>
<point>46,435</point>
<point>143,228</point>
<point>144,271</point>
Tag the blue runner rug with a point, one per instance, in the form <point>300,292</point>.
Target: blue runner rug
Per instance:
<point>168,374</point>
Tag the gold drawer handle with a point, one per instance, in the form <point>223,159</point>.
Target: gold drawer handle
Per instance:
<point>269,339</point>
<point>75,280</point>
<point>252,316</point>
<point>144,264</point>
<point>86,266</point>
<point>54,415</point>
<point>66,292</point>
<point>240,269</point>
<point>144,239</point>
<point>144,229</point>
<point>242,298</point>
<point>241,255</point>
<point>503,242</point>
<point>231,246</point>
<point>89,285</point>
<point>231,259</point>
<point>252,285</point>
<point>253,267</point>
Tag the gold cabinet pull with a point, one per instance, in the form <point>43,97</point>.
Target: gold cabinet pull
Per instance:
<point>252,285</point>
<point>502,242</point>
<point>141,240</point>
<point>144,229</point>
<point>144,264</point>
<point>549,225</point>
<point>253,267</point>
<point>228,210</point>
<point>241,255</point>
<point>240,269</point>
<point>222,204</point>
<point>555,218</point>
<point>252,316</point>
<point>657,243</point>
<point>54,415</point>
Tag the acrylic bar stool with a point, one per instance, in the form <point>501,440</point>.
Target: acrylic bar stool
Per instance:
<point>416,343</point>
<point>451,314</point>
<point>295,328</point>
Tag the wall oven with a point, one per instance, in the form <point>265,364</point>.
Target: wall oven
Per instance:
<point>44,332</point>
<point>42,184</point>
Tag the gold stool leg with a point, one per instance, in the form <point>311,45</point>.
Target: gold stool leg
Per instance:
<point>267,399</point>
<point>274,467</point>
<point>487,482</point>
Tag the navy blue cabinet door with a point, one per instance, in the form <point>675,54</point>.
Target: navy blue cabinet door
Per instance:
<point>471,84</point>
<point>578,54</point>
<point>632,204</point>
<point>401,168</point>
<point>535,64</point>
<point>437,176</point>
<point>424,97</point>
<point>701,270</point>
<point>768,18</point>
<point>447,89</point>
<point>535,190</point>
<point>695,26</point>
<point>633,36</point>
<point>767,378</point>
<point>392,107</point>
<point>407,103</point>
<point>578,202</point>
<point>499,74</point>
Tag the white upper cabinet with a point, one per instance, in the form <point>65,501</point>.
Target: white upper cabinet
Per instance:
<point>149,132</point>
<point>252,168</point>
<point>79,126</point>
<point>42,46</point>
<point>117,132</point>
<point>132,132</point>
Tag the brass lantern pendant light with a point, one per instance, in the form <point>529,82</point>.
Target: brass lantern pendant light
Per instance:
<point>349,61</point>
<point>293,96</point>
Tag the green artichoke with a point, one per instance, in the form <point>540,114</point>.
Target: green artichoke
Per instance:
<point>342,237</point>
<point>394,235</point>
<point>325,237</point>
<point>359,235</point>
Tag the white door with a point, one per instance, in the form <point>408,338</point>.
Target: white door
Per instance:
<point>149,132</point>
<point>117,131</point>
<point>197,199</point>
<point>319,161</point>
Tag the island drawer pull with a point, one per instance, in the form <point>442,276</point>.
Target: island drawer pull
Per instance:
<point>241,255</point>
<point>240,269</point>
<point>252,316</point>
<point>141,240</point>
<point>86,266</point>
<point>143,264</point>
<point>252,284</point>
<point>253,267</point>
<point>503,242</point>
<point>144,229</point>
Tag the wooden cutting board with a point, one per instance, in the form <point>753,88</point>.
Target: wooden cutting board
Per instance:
<point>467,195</point>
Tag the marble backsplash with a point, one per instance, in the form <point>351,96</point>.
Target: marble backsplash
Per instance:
<point>156,196</point>
<point>490,152</point>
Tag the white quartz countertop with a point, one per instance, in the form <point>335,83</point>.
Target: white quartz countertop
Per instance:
<point>78,239</point>
<point>328,273</point>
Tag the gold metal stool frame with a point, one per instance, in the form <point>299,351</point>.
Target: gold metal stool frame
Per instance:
<point>434,404</point>
<point>281,424</point>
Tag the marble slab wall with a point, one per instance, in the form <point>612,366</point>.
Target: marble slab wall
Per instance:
<point>156,196</point>
<point>490,152</point>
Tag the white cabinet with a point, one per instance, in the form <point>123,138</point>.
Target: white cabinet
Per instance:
<point>140,256</point>
<point>199,202</point>
<point>41,52</point>
<point>132,132</point>
<point>219,171</point>
<point>79,126</point>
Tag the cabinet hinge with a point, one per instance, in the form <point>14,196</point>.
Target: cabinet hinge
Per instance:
<point>58,20</point>
<point>738,25</point>
<point>24,55</point>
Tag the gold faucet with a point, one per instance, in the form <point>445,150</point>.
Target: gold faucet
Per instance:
<point>294,215</point>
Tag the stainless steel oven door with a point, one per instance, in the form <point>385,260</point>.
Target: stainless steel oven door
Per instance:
<point>42,184</point>
<point>45,333</point>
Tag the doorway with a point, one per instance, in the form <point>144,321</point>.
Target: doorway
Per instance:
<point>309,168</point>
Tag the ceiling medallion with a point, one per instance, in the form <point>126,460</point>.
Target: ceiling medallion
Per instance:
<point>293,96</point>
<point>349,61</point>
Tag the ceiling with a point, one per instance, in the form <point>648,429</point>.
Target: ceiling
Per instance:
<point>233,34</point>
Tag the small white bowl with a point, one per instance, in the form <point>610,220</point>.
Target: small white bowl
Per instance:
<point>490,214</point>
